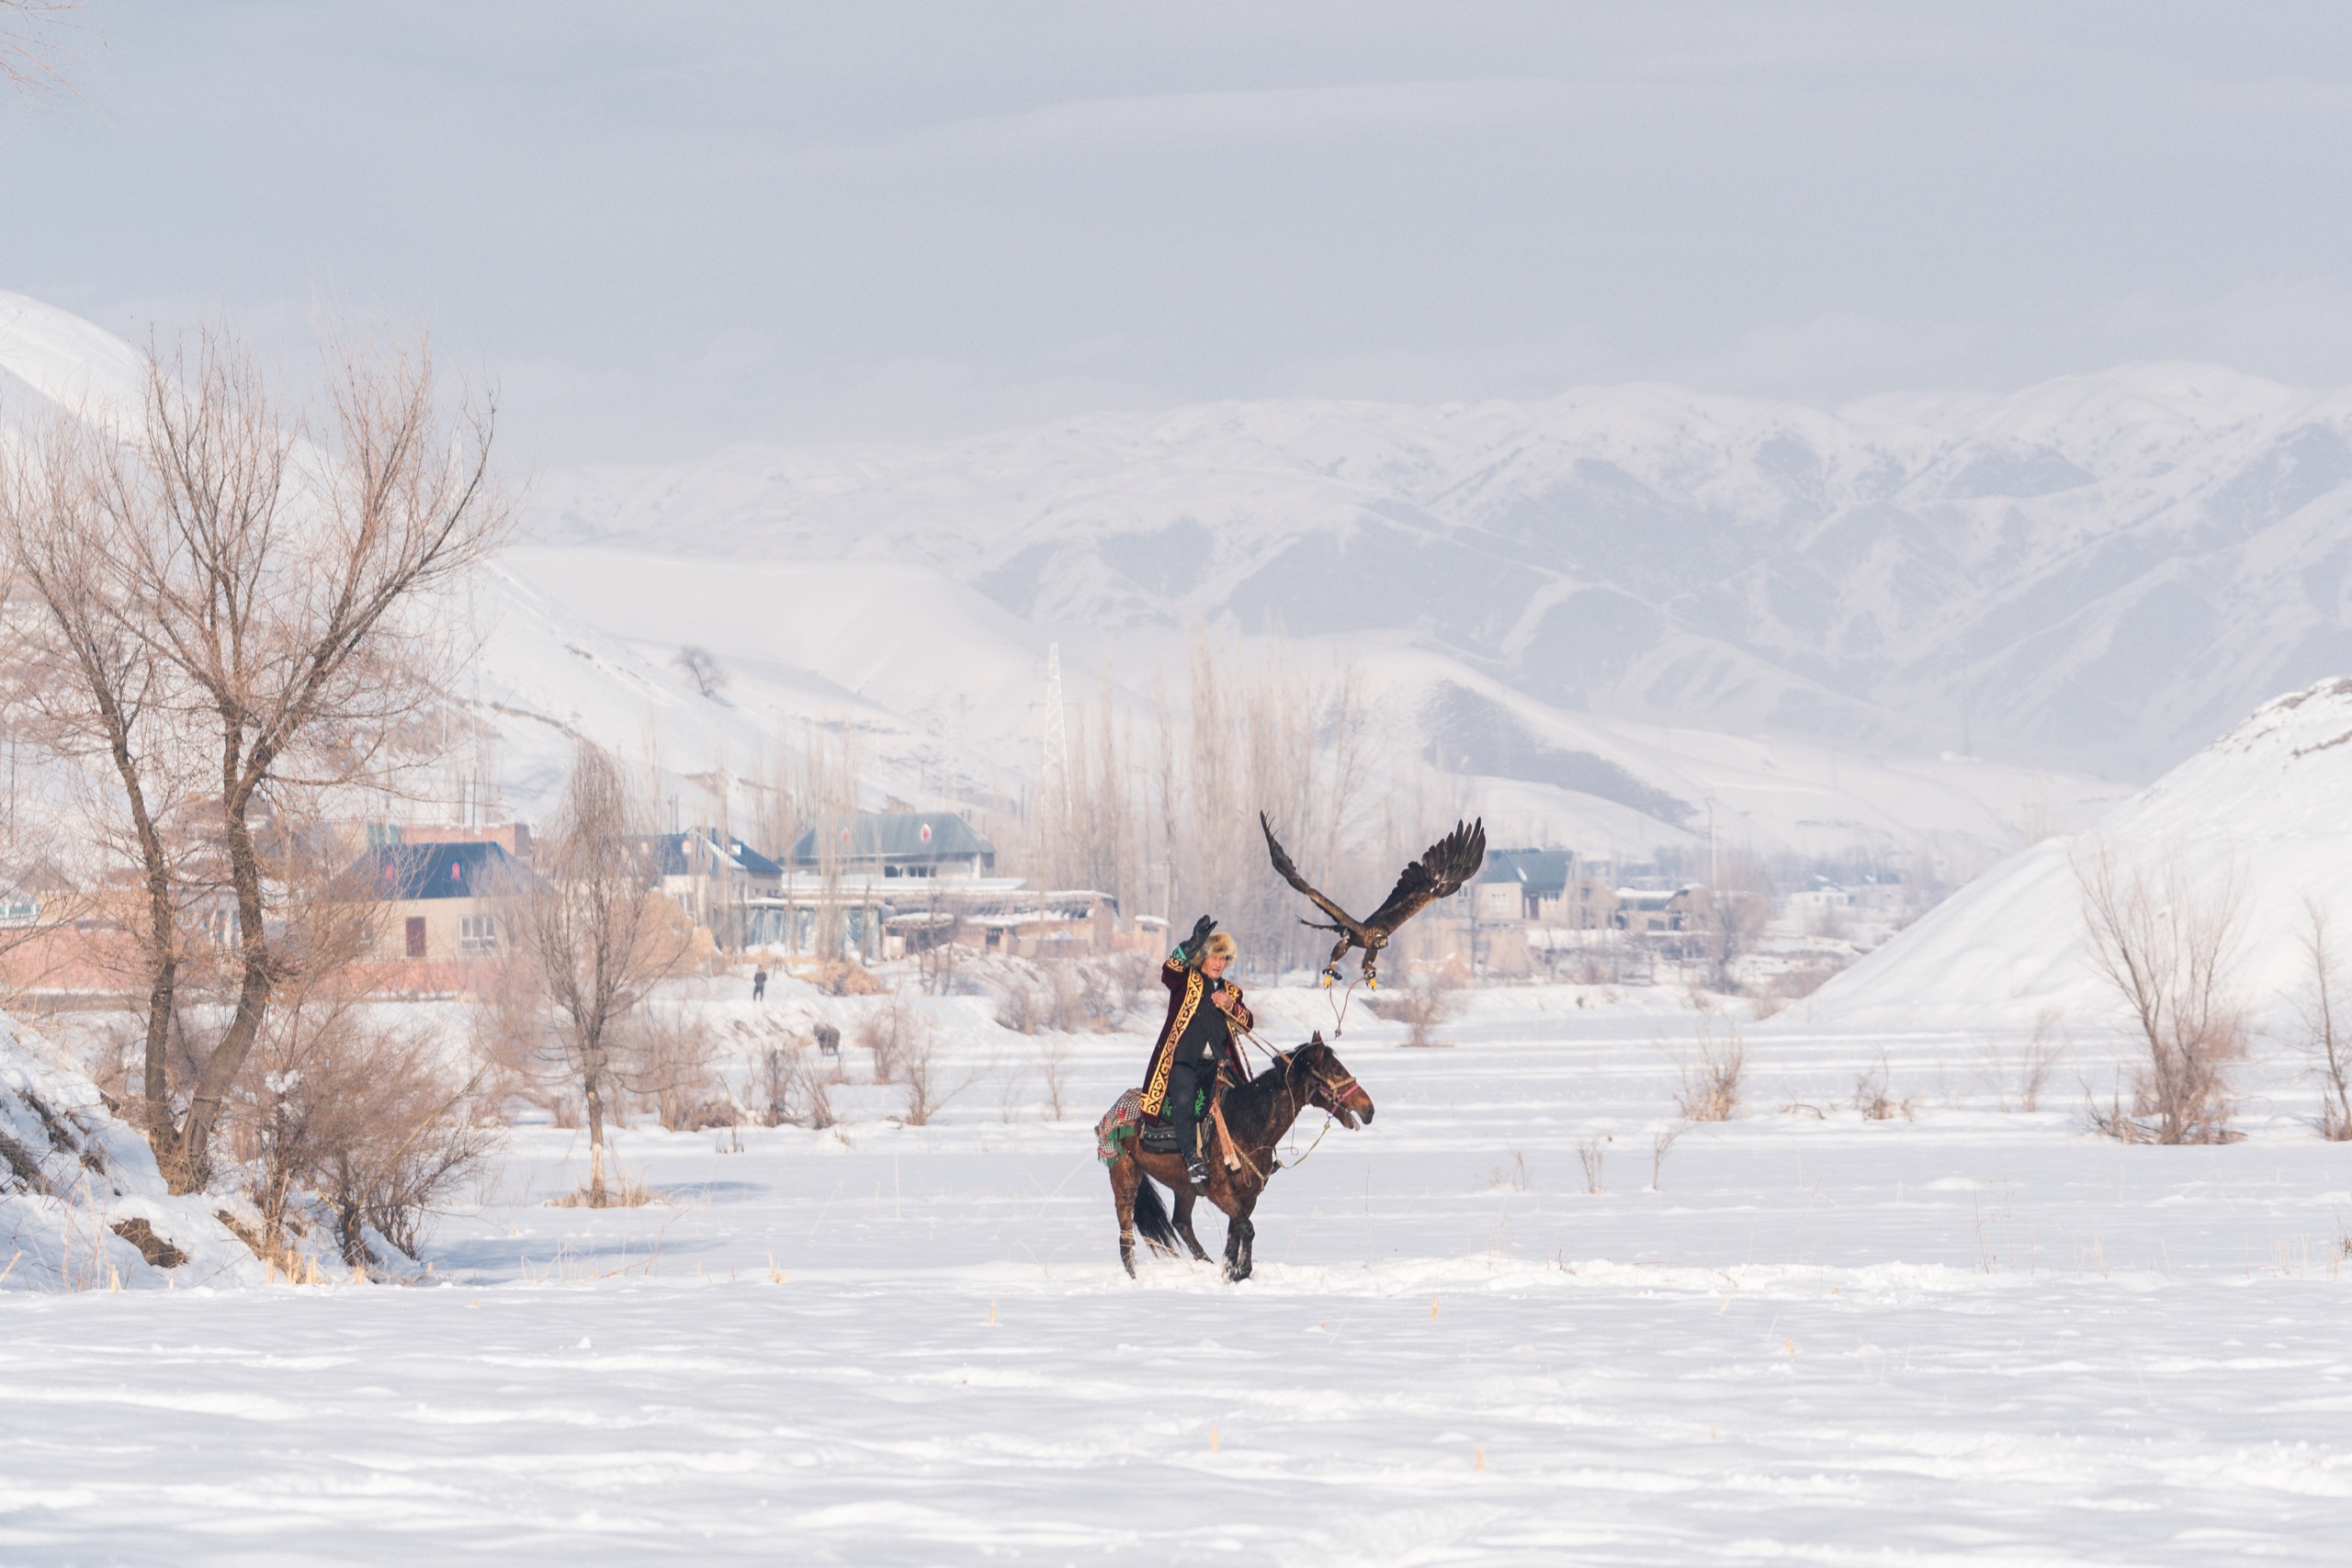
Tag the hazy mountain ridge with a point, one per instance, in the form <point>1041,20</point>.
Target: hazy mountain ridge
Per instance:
<point>2103,570</point>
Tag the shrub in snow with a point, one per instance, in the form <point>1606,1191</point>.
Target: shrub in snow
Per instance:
<point>1710,1071</point>
<point>2166,939</point>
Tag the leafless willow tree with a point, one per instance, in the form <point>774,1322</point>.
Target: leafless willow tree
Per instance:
<point>600,933</point>
<point>2167,940</point>
<point>239,604</point>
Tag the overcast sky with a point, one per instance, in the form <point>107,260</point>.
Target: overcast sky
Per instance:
<point>664,227</point>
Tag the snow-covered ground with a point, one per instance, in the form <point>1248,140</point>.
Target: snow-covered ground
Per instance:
<point>1976,1334</point>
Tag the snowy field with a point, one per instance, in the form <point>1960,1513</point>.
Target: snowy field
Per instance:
<point>1974,1335</point>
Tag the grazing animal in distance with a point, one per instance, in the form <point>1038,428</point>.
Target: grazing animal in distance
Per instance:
<point>1443,867</point>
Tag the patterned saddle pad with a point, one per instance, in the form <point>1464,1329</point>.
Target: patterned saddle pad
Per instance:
<point>1125,1120</point>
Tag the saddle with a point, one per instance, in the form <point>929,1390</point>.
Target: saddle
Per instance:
<point>1157,1134</point>
<point>1158,1137</point>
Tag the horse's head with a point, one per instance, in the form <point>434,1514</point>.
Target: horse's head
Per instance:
<point>1330,1087</point>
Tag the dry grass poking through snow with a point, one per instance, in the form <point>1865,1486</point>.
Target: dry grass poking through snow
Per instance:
<point>1711,1070</point>
<point>623,1193</point>
<point>1876,1100</point>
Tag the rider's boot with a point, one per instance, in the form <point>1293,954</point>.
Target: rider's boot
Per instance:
<point>1196,1171</point>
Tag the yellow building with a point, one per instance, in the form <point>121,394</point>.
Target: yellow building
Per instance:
<point>444,903</point>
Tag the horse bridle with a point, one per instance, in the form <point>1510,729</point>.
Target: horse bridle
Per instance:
<point>1338,1089</point>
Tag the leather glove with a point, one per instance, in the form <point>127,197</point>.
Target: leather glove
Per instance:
<point>1199,938</point>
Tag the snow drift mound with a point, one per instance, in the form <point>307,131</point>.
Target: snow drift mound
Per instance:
<point>2268,805</point>
<point>82,1204</point>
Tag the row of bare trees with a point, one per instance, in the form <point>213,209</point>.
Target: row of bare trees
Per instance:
<point>1158,804</point>
<point>225,620</point>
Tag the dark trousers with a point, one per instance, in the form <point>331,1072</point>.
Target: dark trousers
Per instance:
<point>1184,1086</point>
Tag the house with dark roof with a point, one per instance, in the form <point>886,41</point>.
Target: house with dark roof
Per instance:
<point>712,875</point>
<point>706,851</point>
<point>1518,885</point>
<point>444,903</point>
<point>894,843</point>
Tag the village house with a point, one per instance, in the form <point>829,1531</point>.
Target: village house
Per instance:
<point>1523,884</point>
<point>1659,911</point>
<point>717,879</point>
<point>894,844</point>
<point>442,903</point>
<point>887,884</point>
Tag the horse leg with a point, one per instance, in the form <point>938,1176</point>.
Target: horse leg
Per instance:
<point>1239,1236</point>
<point>1184,1201</point>
<point>1124,1178</point>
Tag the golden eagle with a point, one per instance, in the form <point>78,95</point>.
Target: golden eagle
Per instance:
<point>1443,867</point>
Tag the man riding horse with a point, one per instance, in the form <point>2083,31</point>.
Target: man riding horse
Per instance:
<point>1197,1041</point>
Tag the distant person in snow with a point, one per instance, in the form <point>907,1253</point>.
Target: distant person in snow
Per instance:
<point>760,983</point>
<point>1197,1042</point>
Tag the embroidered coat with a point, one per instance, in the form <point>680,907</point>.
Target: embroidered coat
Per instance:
<point>1196,1029</point>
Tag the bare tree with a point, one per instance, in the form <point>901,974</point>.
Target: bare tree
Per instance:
<point>86,685</point>
<point>1742,908</point>
<point>285,577</point>
<point>2167,941</point>
<point>2324,1037</point>
<point>28,43</point>
<point>702,667</point>
<point>232,613</point>
<point>601,936</point>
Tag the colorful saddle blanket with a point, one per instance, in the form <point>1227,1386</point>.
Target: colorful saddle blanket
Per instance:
<point>1121,1123</point>
<point>1126,1119</point>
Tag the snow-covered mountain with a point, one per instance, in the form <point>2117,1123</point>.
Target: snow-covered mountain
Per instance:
<point>2264,808</point>
<point>2098,572</point>
<point>1613,620</point>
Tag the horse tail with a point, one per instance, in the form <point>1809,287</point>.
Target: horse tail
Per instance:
<point>1151,1219</point>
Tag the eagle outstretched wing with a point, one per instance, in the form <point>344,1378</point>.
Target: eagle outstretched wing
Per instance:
<point>1443,867</point>
<point>1289,872</point>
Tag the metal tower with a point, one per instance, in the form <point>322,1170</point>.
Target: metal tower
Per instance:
<point>1053,768</point>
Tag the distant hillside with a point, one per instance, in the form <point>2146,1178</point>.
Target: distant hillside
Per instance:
<point>2265,803</point>
<point>2099,573</point>
<point>1609,621</point>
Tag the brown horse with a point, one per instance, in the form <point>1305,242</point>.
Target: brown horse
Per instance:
<point>1257,1113</point>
